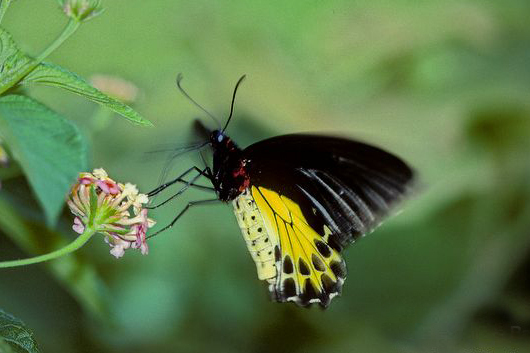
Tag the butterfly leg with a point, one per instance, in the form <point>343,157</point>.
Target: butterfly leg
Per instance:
<point>181,191</point>
<point>208,171</point>
<point>176,180</point>
<point>191,203</point>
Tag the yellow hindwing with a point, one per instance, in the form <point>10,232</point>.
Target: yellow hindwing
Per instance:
<point>292,256</point>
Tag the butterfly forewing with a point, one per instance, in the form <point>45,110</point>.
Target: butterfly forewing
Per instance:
<point>345,185</point>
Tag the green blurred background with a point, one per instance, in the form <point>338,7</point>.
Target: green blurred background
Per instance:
<point>444,84</point>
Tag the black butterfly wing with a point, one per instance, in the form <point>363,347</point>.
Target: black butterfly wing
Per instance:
<point>315,195</point>
<point>352,185</point>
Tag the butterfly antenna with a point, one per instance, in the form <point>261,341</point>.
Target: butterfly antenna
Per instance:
<point>179,80</point>
<point>233,100</point>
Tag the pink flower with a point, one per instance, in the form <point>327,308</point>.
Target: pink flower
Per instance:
<point>118,246</point>
<point>78,226</point>
<point>118,212</point>
<point>140,230</point>
<point>108,186</point>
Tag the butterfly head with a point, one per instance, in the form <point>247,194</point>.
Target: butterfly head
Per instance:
<point>218,137</point>
<point>229,168</point>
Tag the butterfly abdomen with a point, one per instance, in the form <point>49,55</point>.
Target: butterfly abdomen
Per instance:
<point>258,241</point>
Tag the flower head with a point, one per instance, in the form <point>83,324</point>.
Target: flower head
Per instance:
<point>114,209</point>
<point>81,10</point>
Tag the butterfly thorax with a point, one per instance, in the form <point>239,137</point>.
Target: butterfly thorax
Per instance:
<point>230,177</point>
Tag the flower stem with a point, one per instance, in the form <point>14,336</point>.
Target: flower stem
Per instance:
<point>4,4</point>
<point>70,28</point>
<point>73,246</point>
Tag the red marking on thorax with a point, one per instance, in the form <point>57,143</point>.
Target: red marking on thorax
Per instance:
<point>245,185</point>
<point>230,145</point>
<point>242,172</point>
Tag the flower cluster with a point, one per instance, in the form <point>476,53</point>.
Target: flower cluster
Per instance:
<point>81,10</point>
<point>113,209</point>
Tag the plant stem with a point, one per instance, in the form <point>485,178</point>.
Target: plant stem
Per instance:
<point>70,28</point>
<point>73,246</point>
<point>4,4</point>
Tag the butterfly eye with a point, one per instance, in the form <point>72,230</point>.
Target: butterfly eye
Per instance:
<point>220,138</point>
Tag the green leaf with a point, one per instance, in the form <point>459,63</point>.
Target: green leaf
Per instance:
<point>48,147</point>
<point>15,335</point>
<point>53,75</point>
<point>13,62</point>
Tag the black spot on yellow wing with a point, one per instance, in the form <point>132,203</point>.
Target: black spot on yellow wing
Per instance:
<point>330,286</point>
<point>302,266</point>
<point>323,248</point>
<point>338,268</point>
<point>310,293</point>
<point>289,287</point>
<point>287,265</point>
<point>317,263</point>
<point>277,253</point>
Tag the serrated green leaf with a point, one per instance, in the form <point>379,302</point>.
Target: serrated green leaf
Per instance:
<point>13,62</point>
<point>48,147</point>
<point>14,333</point>
<point>53,75</point>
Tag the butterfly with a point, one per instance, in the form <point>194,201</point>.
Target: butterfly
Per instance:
<point>300,200</point>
